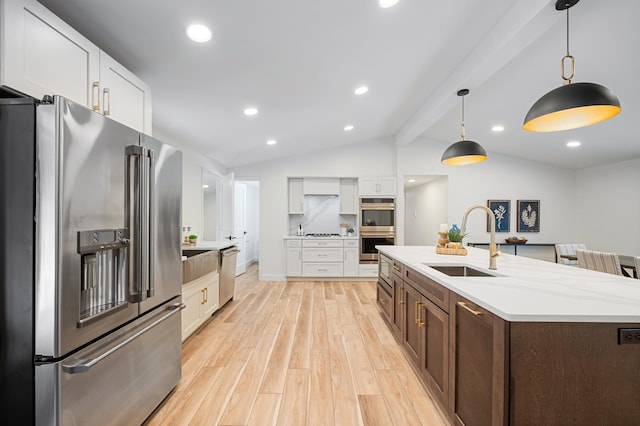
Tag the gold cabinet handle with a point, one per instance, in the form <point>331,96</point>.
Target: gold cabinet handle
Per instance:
<point>401,302</point>
<point>417,314</point>
<point>106,101</point>
<point>474,312</point>
<point>95,100</point>
<point>206,294</point>
<point>203,301</point>
<point>418,308</point>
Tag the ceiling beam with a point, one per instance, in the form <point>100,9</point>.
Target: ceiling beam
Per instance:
<point>525,21</point>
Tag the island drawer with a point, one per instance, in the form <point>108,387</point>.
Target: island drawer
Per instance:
<point>384,299</point>
<point>398,268</point>
<point>429,288</point>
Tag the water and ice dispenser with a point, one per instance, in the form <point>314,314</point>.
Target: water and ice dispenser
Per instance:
<point>104,272</point>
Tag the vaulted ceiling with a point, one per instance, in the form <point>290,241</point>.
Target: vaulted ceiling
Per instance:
<point>299,62</point>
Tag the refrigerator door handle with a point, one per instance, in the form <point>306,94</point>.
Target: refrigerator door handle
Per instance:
<point>76,366</point>
<point>151,214</point>
<point>137,201</point>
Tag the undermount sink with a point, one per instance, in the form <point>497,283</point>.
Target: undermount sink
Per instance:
<point>460,271</point>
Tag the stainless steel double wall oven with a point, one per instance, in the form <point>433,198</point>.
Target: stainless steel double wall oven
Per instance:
<point>377,226</point>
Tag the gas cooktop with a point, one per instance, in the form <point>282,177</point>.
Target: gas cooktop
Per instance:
<point>322,235</point>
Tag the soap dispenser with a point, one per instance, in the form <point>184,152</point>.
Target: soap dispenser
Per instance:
<point>300,231</point>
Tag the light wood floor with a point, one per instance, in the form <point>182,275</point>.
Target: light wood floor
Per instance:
<point>296,353</point>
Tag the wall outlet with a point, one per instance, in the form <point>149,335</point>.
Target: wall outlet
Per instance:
<point>628,336</point>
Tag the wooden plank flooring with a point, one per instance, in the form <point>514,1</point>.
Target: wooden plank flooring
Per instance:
<point>297,353</point>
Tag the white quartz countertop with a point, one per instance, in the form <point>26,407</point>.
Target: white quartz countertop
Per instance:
<point>530,290</point>
<point>211,245</point>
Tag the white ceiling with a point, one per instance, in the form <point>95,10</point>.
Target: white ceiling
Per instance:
<point>299,61</point>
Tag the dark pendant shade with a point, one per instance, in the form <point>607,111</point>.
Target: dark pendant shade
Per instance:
<point>462,153</point>
<point>572,106</point>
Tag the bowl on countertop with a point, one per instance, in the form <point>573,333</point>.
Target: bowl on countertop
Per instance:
<point>516,240</point>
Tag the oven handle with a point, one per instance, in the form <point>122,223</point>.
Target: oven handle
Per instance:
<point>82,366</point>
<point>364,234</point>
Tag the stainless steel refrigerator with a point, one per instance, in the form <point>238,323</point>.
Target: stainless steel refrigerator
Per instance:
<point>91,267</point>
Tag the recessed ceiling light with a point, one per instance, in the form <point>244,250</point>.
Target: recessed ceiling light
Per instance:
<point>250,111</point>
<point>361,90</point>
<point>387,3</point>
<point>573,144</point>
<point>411,180</point>
<point>272,142</point>
<point>348,128</point>
<point>198,33</point>
<point>205,186</point>
<point>497,128</point>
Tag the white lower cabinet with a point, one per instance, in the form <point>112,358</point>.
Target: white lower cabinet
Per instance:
<point>201,297</point>
<point>322,257</point>
<point>294,258</point>
<point>351,258</point>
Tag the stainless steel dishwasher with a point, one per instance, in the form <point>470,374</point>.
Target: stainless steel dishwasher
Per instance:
<point>228,274</point>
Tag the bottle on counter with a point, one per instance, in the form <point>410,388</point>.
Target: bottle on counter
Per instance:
<point>300,231</point>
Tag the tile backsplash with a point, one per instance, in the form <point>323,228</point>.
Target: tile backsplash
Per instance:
<point>321,214</point>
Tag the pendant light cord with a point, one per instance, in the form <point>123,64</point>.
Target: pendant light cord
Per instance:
<point>568,31</point>
<point>567,79</point>
<point>462,132</point>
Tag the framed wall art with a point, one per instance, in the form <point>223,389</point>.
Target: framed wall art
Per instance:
<point>528,215</point>
<point>502,210</point>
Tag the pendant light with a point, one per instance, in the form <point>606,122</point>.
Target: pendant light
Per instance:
<point>572,105</point>
<point>463,152</point>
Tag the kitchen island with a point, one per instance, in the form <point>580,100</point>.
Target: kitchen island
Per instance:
<point>529,343</point>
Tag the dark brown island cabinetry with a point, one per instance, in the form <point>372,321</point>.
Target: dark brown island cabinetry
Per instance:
<point>477,365</point>
<point>486,371</point>
<point>420,323</point>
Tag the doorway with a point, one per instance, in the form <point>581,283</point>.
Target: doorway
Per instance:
<point>426,206</point>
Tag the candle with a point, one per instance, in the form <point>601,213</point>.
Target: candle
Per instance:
<point>443,227</point>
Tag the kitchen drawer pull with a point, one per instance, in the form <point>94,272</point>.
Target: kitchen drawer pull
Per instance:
<point>419,306</point>
<point>474,312</point>
<point>106,101</point>
<point>396,268</point>
<point>95,89</point>
<point>203,301</point>
<point>401,296</point>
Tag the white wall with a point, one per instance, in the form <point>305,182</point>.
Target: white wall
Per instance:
<point>607,210</point>
<point>209,213</point>
<point>364,159</point>
<point>500,177</point>
<point>192,199</point>
<point>426,207</point>
<point>253,221</point>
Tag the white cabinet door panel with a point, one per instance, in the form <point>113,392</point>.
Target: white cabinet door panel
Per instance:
<point>41,54</point>
<point>123,96</point>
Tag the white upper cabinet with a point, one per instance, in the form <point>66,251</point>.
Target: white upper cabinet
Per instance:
<point>125,97</point>
<point>321,186</point>
<point>42,55</point>
<point>348,196</point>
<point>296,196</point>
<point>377,186</point>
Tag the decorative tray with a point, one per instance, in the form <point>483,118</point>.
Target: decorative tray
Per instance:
<point>457,251</point>
<point>516,240</point>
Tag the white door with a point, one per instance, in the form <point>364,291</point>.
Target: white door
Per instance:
<point>225,207</point>
<point>239,222</point>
